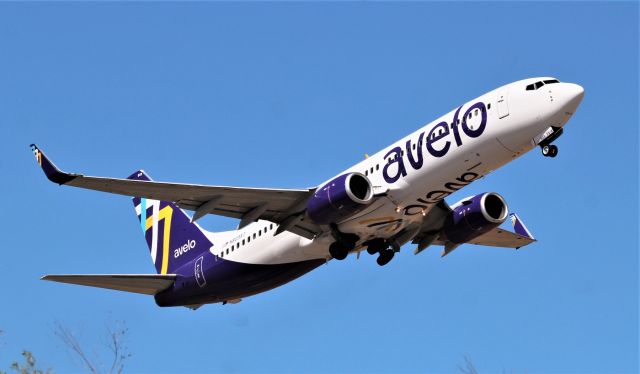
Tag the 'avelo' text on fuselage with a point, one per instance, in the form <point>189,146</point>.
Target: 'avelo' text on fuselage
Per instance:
<point>437,143</point>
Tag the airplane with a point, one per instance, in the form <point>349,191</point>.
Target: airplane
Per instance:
<point>389,199</point>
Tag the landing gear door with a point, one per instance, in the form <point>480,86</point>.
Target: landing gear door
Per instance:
<point>503,106</point>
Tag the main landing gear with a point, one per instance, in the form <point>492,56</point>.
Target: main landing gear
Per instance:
<point>344,243</point>
<point>549,150</point>
<point>385,256</point>
<point>340,250</point>
<point>385,250</point>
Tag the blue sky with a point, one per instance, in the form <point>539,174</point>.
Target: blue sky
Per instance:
<point>286,95</point>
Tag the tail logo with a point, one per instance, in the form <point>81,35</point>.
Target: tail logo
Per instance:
<point>38,154</point>
<point>163,215</point>
<point>172,238</point>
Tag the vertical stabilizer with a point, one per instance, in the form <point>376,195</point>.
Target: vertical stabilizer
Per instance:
<point>172,238</point>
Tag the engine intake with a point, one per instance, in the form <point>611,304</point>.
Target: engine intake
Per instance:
<point>340,198</point>
<point>475,216</point>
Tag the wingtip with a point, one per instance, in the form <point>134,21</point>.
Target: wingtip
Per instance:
<point>50,170</point>
<point>519,226</point>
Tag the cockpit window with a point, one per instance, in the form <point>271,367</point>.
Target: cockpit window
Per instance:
<point>535,86</point>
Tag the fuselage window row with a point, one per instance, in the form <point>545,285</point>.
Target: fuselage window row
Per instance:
<point>248,239</point>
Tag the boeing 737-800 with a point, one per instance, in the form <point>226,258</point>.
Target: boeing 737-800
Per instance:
<point>391,198</point>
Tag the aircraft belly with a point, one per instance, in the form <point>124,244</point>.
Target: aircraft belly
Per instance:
<point>228,280</point>
<point>381,222</point>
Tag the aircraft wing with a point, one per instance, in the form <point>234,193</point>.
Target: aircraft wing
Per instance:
<point>502,238</point>
<point>281,206</point>
<point>433,223</point>
<point>149,284</point>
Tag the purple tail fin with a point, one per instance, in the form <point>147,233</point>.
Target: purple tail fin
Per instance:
<point>172,238</point>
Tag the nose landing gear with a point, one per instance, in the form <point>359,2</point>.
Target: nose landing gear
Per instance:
<point>549,150</point>
<point>545,139</point>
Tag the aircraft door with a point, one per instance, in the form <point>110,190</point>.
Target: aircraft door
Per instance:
<point>503,106</point>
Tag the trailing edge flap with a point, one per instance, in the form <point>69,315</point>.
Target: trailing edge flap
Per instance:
<point>498,238</point>
<point>149,284</point>
<point>502,238</point>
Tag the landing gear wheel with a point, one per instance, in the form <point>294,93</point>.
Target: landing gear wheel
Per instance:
<point>376,246</point>
<point>338,251</point>
<point>550,150</point>
<point>384,257</point>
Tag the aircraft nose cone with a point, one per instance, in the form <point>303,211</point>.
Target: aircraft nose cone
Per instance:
<point>573,95</point>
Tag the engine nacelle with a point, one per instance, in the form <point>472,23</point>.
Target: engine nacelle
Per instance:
<point>475,216</point>
<point>340,198</point>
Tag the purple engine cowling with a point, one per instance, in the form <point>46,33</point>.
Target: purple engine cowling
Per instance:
<point>475,216</point>
<point>340,198</point>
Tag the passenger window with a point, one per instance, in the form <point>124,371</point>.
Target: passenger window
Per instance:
<point>227,250</point>
<point>254,236</point>
<point>242,241</point>
<point>366,172</point>
<point>489,106</point>
<point>377,167</point>
<point>371,170</point>
<point>271,226</point>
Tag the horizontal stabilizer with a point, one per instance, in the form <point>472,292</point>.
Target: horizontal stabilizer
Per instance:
<point>149,284</point>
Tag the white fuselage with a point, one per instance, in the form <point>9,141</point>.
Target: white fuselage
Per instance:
<point>419,170</point>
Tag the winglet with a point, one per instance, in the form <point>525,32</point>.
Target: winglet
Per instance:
<point>519,226</point>
<point>50,169</point>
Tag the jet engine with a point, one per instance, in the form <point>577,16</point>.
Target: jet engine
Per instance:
<point>340,198</point>
<point>475,216</point>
